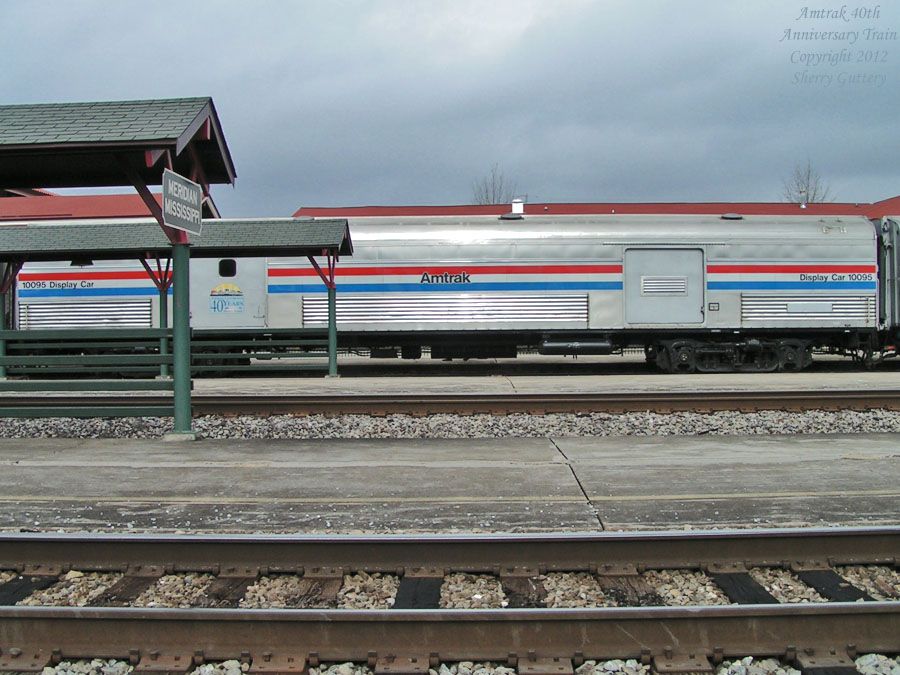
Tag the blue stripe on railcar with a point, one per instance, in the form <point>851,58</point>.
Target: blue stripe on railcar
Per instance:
<point>435,288</point>
<point>85,292</point>
<point>790,285</point>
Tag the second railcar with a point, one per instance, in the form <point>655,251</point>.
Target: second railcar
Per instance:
<point>698,293</point>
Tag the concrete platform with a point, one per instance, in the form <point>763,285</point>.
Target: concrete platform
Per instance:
<point>529,375</point>
<point>500,485</point>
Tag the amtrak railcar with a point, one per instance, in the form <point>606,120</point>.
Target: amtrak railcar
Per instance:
<point>697,293</point>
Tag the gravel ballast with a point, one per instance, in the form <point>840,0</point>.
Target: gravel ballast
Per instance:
<point>867,664</point>
<point>728,423</point>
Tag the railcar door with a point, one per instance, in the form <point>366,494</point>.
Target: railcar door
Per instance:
<point>228,293</point>
<point>664,286</point>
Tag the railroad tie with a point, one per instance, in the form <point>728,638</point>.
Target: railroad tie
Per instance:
<point>739,586</point>
<point>624,585</point>
<point>229,587</point>
<point>32,578</point>
<point>126,590</point>
<point>419,589</point>
<point>832,585</point>
<point>523,588</point>
<point>825,663</point>
<point>743,589</point>
<point>277,664</point>
<point>319,586</point>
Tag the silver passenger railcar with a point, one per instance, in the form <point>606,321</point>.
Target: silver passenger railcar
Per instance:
<point>697,292</point>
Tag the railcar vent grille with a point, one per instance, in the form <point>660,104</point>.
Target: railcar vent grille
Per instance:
<point>663,285</point>
<point>448,309</point>
<point>858,310</point>
<point>119,314</point>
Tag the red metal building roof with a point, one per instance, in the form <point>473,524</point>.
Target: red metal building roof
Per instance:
<point>61,207</point>
<point>82,206</point>
<point>879,209</point>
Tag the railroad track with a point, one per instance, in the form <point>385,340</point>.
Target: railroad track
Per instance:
<point>415,634</point>
<point>497,404</point>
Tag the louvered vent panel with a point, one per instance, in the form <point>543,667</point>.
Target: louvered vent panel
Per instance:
<point>663,285</point>
<point>121,314</point>
<point>448,309</point>
<point>836,308</point>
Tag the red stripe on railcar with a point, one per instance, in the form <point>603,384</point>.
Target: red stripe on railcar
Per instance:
<point>455,269</point>
<point>789,269</point>
<point>77,276</point>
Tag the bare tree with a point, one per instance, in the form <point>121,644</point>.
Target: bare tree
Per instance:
<point>805,186</point>
<point>493,189</point>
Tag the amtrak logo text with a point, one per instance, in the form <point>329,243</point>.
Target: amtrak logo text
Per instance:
<point>445,278</point>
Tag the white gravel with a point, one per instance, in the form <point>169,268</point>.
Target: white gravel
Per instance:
<point>468,426</point>
<point>176,590</point>
<point>230,667</point>
<point>92,667</point>
<point>341,669</point>
<point>472,668</point>
<point>685,587</point>
<point>877,664</point>
<point>784,586</point>
<point>276,591</point>
<point>879,581</point>
<point>749,666</point>
<point>629,667</point>
<point>470,591</point>
<point>74,589</point>
<point>568,589</point>
<point>368,591</point>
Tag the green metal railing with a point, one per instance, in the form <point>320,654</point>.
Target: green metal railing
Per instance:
<point>140,359</point>
<point>74,360</point>
<point>235,351</point>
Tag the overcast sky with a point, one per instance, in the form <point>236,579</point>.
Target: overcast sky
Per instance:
<point>336,103</point>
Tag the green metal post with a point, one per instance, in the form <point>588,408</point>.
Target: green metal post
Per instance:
<point>181,338</point>
<point>164,323</point>
<point>2,327</point>
<point>332,331</point>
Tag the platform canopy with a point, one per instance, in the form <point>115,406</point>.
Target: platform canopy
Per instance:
<point>54,145</point>
<point>128,239</point>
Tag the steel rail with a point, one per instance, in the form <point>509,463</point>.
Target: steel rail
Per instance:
<point>458,553</point>
<point>549,402</point>
<point>514,636</point>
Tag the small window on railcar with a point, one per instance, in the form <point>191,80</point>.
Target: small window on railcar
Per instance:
<point>227,267</point>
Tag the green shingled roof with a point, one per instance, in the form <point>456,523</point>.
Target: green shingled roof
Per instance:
<point>104,122</point>
<point>134,238</point>
<point>51,145</point>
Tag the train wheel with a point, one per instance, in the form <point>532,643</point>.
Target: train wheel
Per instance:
<point>794,354</point>
<point>682,357</point>
<point>864,357</point>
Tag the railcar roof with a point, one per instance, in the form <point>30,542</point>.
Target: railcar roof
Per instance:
<point>606,224</point>
<point>124,239</point>
<point>603,219</point>
<point>879,209</point>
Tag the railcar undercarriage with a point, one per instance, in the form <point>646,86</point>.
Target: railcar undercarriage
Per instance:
<point>764,354</point>
<point>747,355</point>
<point>687,353</point>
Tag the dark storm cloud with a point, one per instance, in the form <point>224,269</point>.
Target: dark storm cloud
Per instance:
<point>409,102</point>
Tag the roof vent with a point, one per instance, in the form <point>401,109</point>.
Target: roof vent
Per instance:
<point>732,216</point>
<point>518,211</point>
